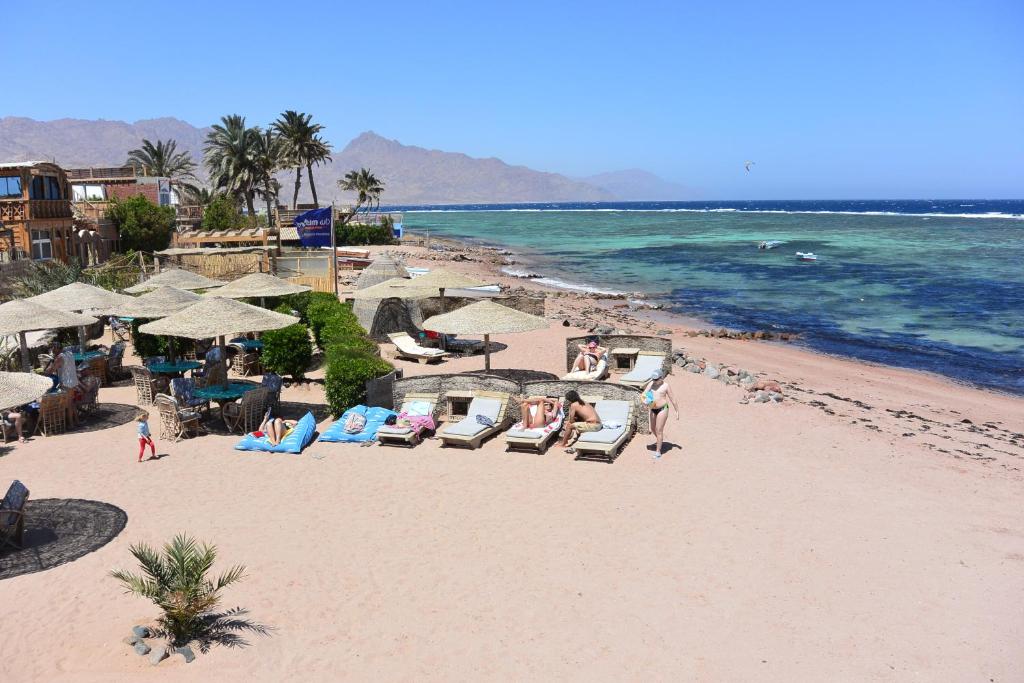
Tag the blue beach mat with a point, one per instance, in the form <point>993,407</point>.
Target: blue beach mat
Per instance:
<point>297,439</point>
<point>375,417</point>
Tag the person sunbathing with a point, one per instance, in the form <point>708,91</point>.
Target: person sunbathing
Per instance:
<point>538,411</point>
<point>589,356</point>
<point>275,429</point>
<point>581,418</point>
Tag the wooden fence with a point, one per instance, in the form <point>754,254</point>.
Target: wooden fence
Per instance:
<point>317,284</point>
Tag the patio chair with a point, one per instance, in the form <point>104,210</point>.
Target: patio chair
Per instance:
<point>122,331</point>
<point>147,385</point>
<point>246,363</point>
<point>606,443</point>
<point>150,360</point>
<point>246,414</point>
<point>470,432</point>
<point>94,367</point>
<point>183,391</point>
<point>12,516</point>
<point>273,383</point>
<point>406,347</point>
<point>115,356</point>
<point>175,423</point>
<point>53,415</point>
<point>537,439</point>
<point>214,373</point>
<point>413,404</point>
<point>89,387</point>
<point>646,363</point>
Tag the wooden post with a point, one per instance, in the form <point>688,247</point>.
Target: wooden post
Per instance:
<point>142,268</point>
<point>26,362</point>
<point>487,352</point>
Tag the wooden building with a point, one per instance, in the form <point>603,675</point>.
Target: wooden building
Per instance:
<point>36,221</point>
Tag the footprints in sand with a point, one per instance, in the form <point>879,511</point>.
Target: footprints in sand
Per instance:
<point>958,436</point>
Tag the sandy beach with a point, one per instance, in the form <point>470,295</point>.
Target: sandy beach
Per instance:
<point>869,527</point>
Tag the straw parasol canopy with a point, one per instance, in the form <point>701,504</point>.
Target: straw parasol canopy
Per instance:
<point>391,289</point>
<point>21,316</point>
<point>17,388</point>
<point>158,303</point>
<point>383,268</point>
<point>216,317</point>
<point>486,318</point>
<point>258,285</point>
<point>182,279</point>
<point>79,296</point>
<point>439,280</point>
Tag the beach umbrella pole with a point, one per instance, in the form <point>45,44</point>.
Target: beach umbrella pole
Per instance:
<point>26,363</point>
<point>487,352</point>
<point>444,338</point>
<point>82,338</point>
<point>223,358</point>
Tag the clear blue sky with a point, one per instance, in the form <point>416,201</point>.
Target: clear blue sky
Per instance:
<point>840,100</point>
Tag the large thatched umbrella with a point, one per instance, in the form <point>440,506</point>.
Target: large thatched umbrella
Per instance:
<point>157,303</point>
<point>391,289</point>
<point>486,318</point>
<point>21,316</point>
<point>17,388</point>
<point>436,281</point>
<point>259,285</point>
<point>79,297</point>
<point>182,279</point>
<point>383,268</point>
<point>216,317</point>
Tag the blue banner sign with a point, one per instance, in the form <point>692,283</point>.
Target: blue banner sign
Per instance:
<point>314,227</point>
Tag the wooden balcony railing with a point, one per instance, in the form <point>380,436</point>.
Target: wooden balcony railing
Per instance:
<point>189,213</point>
<point>34,209</point>
<point>93,211</point>
<point>101,173</point>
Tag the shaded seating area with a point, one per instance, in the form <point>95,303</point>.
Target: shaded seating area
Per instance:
<point>175,423</point>
<point>246,414</point>
<point>147,385</point>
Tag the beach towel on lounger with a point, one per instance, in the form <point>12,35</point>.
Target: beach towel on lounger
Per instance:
<point>298,438</point>
<point>375,417</point>
<point>536,432</point>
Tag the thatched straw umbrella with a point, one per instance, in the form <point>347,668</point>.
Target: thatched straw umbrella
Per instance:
<point>21,316</point>
<point>216,317</point>
<point>486,318</point>
<point>157,303</point>
<point>79,297</point>
<point>436,281</point>
<point>17,388</point>
<point>182,279</point>
<point>391,289</point>
<point>383,268</point>
<point>259,285</point>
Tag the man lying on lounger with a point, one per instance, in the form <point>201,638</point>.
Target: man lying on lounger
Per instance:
<point>581,418</point>
<point>538,411</point>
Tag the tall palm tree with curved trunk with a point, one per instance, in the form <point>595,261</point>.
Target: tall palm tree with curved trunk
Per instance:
<point>271,156</point>
<point>368,189</point>
<point>163,160</point>
<point>305,147</point>
<point>230,154</point>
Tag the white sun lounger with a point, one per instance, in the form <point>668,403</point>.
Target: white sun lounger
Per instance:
<point>646,363</point>
<point>407,347</point>
<point>413,404</point>
<point>537,439</point>
<point>606,443</point>
<point>599,371</point>
<point>468,432</point>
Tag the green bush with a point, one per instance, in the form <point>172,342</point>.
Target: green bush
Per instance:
<point>147,344</point>
<point>288,351</point>
<point>222,214</point>
<point>141,224</point>
<point>342,327</point>
<point>359,234</point>
<point>321,306</point>
<point>348,370</point>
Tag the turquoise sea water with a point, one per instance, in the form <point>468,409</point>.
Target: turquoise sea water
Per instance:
<point>938,292</point>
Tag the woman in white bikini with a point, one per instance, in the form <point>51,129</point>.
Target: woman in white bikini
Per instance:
<point>589,355</point>
<point>657,395</point>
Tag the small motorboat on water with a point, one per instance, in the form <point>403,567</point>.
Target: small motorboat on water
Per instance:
<point>769,244</point>
<point>806,256</point>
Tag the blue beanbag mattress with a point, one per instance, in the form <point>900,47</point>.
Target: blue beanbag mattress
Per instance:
<point>375,417</point>
<point>297,439</point>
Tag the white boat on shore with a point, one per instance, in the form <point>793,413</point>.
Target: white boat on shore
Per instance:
<point>806,256</point>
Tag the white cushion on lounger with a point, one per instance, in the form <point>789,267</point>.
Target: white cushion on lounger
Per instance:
<point>526,433</point>
<point>606,435</point>
<point>481,405</point>
<point>409,345</point>
<point>615,412</point>
<point>645,365</point>
<point>466,427</point>
<point>389,429</point>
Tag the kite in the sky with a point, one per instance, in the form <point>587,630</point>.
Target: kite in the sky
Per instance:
<point>748,164</point>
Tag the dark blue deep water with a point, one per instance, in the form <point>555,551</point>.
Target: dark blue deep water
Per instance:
<point>932,285</point>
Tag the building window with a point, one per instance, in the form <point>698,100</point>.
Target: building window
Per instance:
<point>10,188</point>
<point>42,249</point>
<point>44,187</point>
<point>92,193</point>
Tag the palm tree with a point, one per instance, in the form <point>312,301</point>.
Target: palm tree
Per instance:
<point>163,160</point>
<point>230,153</point>
<point>305,147</point>
<point>176,581</point>
<point>368,189</point>
<point>271,155</point>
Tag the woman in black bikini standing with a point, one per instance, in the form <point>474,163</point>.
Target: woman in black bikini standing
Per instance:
<point>657,395</point>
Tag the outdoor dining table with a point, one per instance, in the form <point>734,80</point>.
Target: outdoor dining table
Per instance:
<point>221,394</point>
<point>248,344</point>
<point>88,355</point>
<point>176,368</point>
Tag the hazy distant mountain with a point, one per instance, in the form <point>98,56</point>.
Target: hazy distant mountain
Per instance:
<point>638,185</point>
<point>412,175</point>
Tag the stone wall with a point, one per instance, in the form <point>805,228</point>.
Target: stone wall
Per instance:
<point>616,341</point>
<point>606,390</point>
<point>442,384</point>
<point>380,391</point>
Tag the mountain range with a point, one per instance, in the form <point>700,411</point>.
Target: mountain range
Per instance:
<point>411,175</point>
